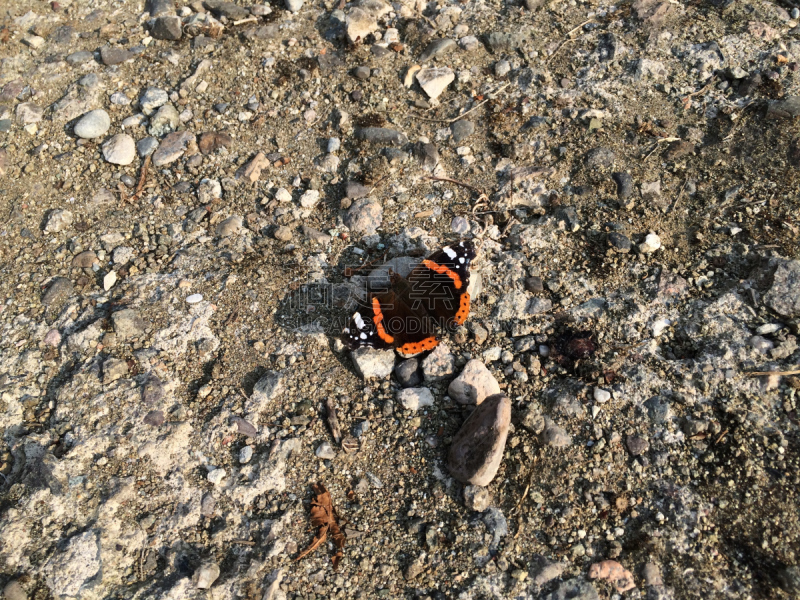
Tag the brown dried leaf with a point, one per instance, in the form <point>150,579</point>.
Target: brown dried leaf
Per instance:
<point>324,516</point>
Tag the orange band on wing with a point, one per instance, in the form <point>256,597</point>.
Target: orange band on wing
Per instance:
<point>463,310</point>
<point>376,308</point>
<point>417,347</point>
<point>441,269</point>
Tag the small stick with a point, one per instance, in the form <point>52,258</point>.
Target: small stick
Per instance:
<point>759,373</point>
<point>333,421</point>
<point>247,20</point>
<point>661,141</point>
<point>461,183</point>
<point>721,435</point>
<point>243,542</point>
<point>568,39</point>
<point>142,177</point>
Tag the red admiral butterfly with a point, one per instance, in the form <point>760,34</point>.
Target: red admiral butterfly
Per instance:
<point>408,314</point>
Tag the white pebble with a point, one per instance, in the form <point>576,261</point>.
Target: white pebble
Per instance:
<point>216,476</point>
<point>245,454</point>
<point>194,298</point>
<point>651,243</point>
<point>601,395</point>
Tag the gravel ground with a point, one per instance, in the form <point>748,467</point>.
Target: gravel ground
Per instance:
<point>192,195</point>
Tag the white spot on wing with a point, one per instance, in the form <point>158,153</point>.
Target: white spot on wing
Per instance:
<point>451,254</point>
<point>359,321</point>
<point>461,260</point>
<point>363,336</point>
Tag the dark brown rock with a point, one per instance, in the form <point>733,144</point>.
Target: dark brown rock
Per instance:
<point>477,448</point>
<point>211,141</point>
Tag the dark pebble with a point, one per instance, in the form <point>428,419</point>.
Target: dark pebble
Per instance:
<point>361,72</point>
<point>600,158</point>
<point>356,95</point>
<point>60,289</point>
<point>221,107</point>
<point>380,135</point>
<point>167,28</point>
<point>437,48</point>
<point>158,8</point>
<point>211,141</point>
<point>407,373</point>
<point>624,184</point>
<point>427,154</point>
<point>114,56</point>
<point>245,427</point>
<point>154,418</point>
<point>637,445</point>
<point>534,284</point>
<point>379,51</point>
<point>620,243</point>
<point>80,57</point>
<point>461,130</point>
<point>395,155</point>
<point>355,190</point>
<point>152,390</point>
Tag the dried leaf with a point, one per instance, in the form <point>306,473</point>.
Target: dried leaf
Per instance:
<point>324,516</point>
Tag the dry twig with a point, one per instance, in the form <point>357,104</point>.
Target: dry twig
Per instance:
<point>568,38</point>
<point>464,114</point>
<point>142,178</point>
<point>333,420</point>
<point>760,373</point>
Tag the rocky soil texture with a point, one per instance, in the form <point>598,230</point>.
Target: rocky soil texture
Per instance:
<point>193,194</point>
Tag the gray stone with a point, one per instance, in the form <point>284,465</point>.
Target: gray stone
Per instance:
<point>437,48</point>
<point>600,158</point>
<point>637,445</point>
<point>373,364</point>
<point>28,113</point>
<point>361,72</point>
<point>114,56</point>
<point>461,130</point>
<point>57,292</point>
<point>14,591</point>
<point>172,148</point>
<point>79,58</point>
<point>500,41</point>
<point>497,527</point>
<point>555,436</point>
<point>93,124</point>
<point>474,384</point>
<point>152,390</point>
<point>68,570</point>
<point>624,183</point>
<point>407,373</point>
<point>415,398</point>
<point>325,451</point>
<point>114,369</point>
<point>152,99</point>
<point>230,226</point>
<point>477,449</point>
<point>788,108</point>
<point>294,5</point>
<point>269,387</point>
<point>119,149</point>
<point>166,120</point>
<point>620,243</point>
<point>158,8</point>
<point>167,28</point>
<point>784,295</point>
<point>434,80</point>
<point>439,364</point>
<point>364,216</point>
<point>207,505</point>
<point>146,146</point>
<point>359,23</point>
<point>205,576</point>
<point>58,220</point>
<point>128,324</point>
<point>380,135</point>
<point>574,589</point>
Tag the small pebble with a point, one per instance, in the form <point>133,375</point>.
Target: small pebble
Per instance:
<point>194,298</point>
